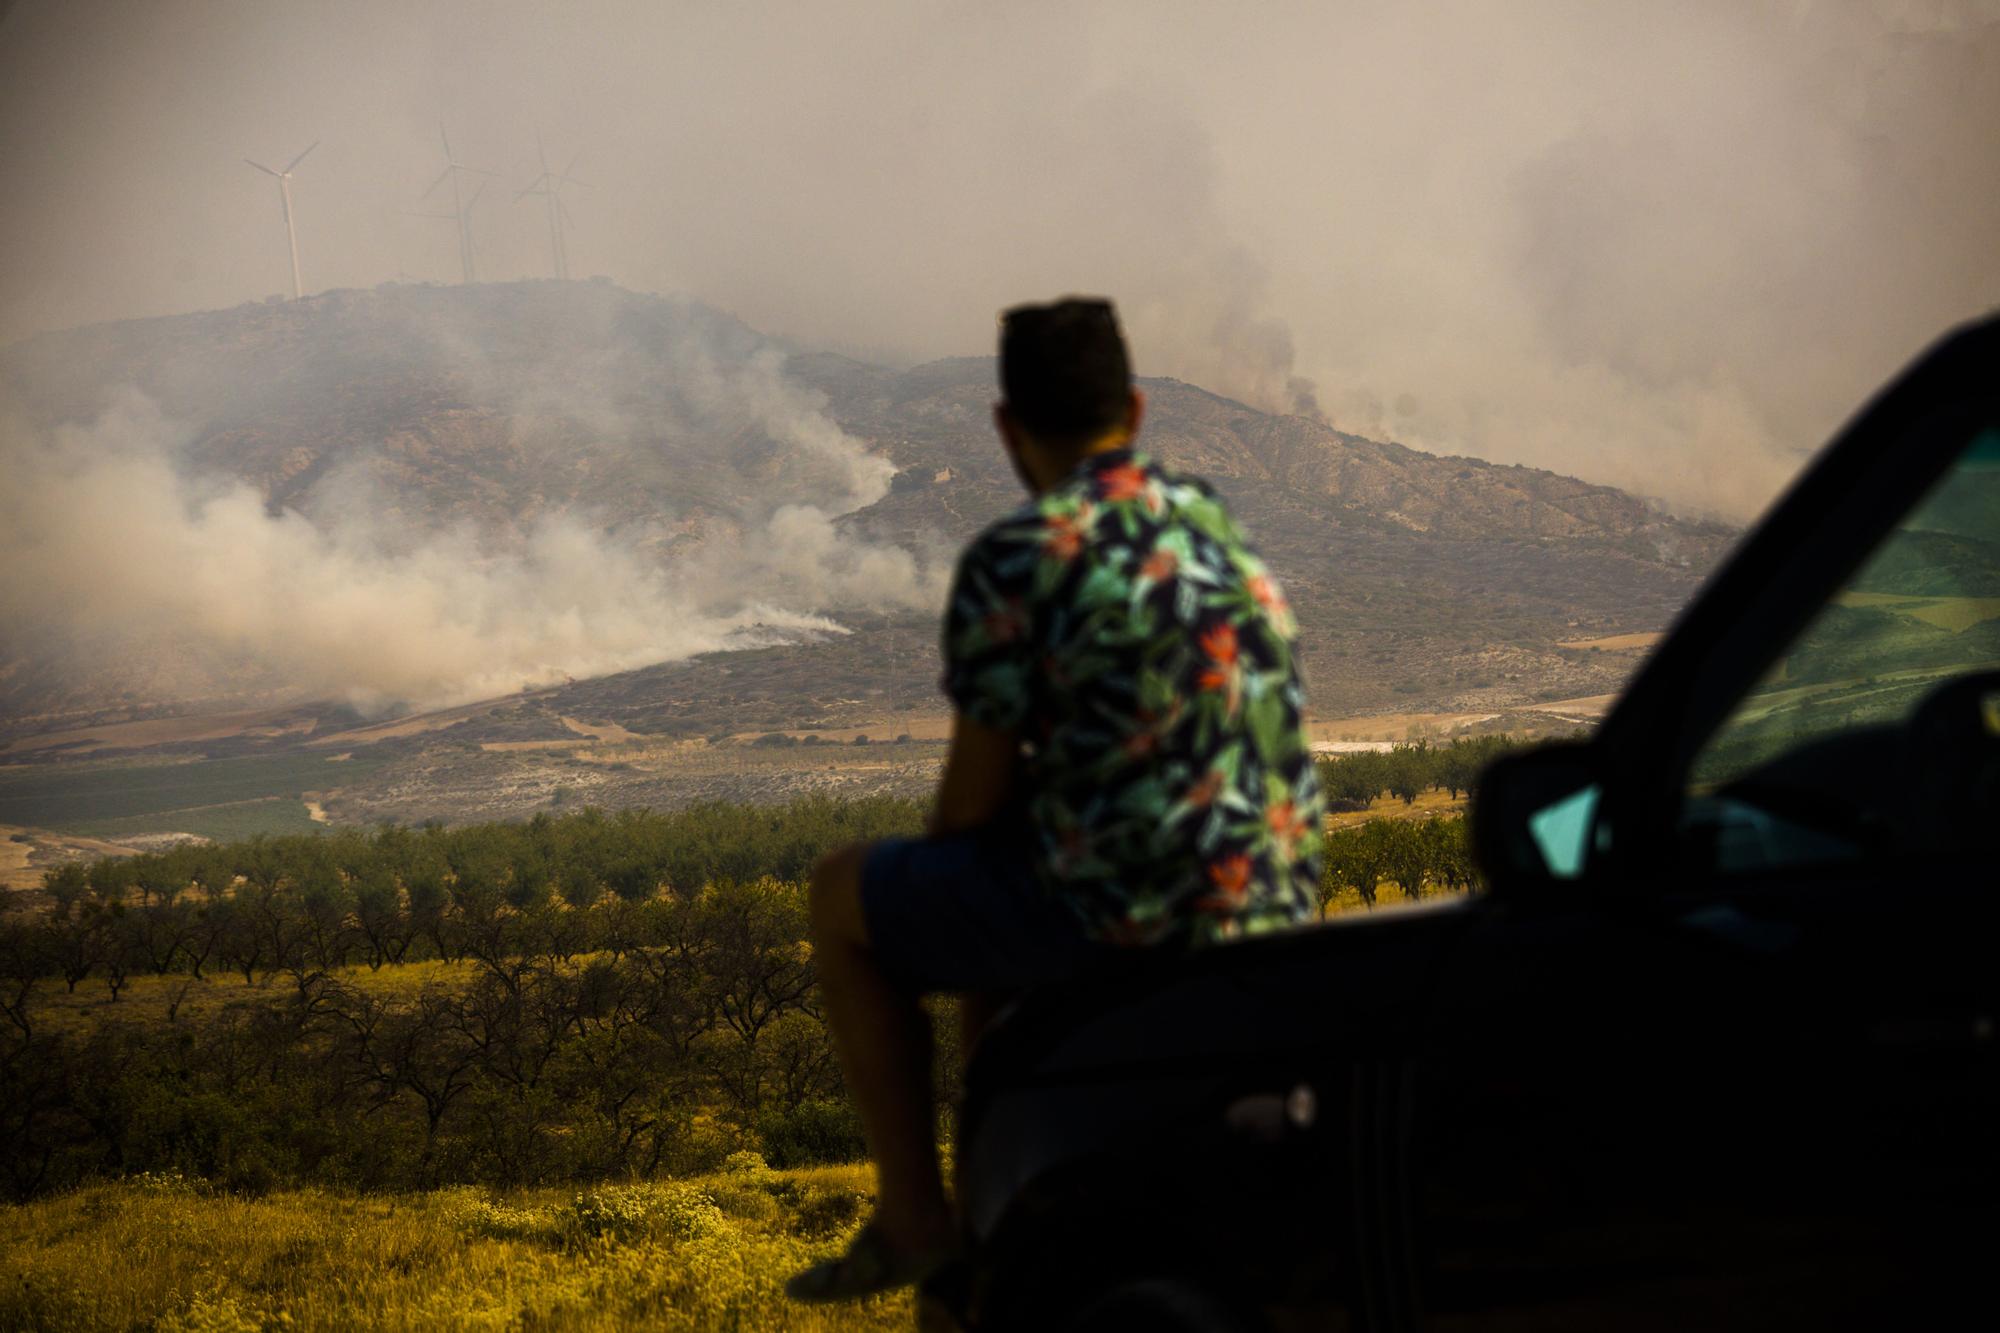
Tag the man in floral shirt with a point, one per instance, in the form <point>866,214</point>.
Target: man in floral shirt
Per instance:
<point>1128,765</point>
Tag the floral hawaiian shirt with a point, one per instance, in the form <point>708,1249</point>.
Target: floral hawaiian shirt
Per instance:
<point>1121,624</point>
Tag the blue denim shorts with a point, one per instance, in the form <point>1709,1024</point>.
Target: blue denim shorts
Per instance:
<point>964,912</point>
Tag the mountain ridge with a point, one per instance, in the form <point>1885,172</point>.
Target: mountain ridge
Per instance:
<point>1293,449</point>
<point>495,406</point>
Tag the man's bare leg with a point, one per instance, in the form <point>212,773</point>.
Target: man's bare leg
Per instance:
<point>883,1040</point>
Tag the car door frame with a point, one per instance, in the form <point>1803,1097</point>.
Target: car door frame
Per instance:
<point>1631,884</point>
<point>1787,568</point>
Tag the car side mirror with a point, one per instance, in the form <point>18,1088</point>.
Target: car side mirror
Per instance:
<point>1535,817</point>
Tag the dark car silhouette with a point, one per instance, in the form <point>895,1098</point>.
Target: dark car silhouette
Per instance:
<point>1714,1049</point>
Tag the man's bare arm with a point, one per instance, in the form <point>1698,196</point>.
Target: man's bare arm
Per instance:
<point>978,776</point>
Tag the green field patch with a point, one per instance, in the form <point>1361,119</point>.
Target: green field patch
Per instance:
<point>92,798</point>
<point>230,822</point>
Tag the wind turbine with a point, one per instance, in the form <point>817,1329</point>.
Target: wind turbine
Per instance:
<point>462,219</point>
<point>549,184</point>
<point>285,190</point>
<point>461,207</point>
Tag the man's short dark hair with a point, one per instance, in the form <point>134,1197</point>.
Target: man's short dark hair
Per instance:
<point>1063,368</point>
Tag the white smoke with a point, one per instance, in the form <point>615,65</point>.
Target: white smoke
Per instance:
<point>1667,246</point>
<point>105,540</point>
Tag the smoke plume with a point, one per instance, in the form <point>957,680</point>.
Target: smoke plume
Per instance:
<point>115,560</point>
<point>1665,246</point>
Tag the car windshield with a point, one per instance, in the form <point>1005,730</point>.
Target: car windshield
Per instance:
<point>1924,609</point>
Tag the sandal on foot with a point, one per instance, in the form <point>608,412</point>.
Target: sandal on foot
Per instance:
<point>868,1267</point>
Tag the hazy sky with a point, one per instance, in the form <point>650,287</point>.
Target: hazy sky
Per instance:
<point>1665,246</point>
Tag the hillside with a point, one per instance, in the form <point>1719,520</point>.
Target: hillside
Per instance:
<point>1450,580</point>
<point>1421,580</point>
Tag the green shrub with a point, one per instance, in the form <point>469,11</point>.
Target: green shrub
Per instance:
<point>825,1212</point>
<point>812,1133</point>
<point>622,1212</point>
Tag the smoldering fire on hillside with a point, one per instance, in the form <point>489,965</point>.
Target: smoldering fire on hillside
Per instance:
<point>1353,214</point>
<point>422,494</point>
<point>128,559</point>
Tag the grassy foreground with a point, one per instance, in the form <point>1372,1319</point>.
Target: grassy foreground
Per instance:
<point>708,1252</point>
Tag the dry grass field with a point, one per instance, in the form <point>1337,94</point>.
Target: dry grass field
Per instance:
<point>708,1252</point>
<point>1428,805</point>
<point>511,780</point>
<point>1614,643</point>
<point>26,853</point>
<point>176,730</point>
<point>1956,614</point>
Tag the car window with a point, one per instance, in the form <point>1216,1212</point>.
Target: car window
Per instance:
<point>1805,770</point>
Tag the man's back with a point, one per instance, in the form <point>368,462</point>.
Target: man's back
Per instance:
<point>1124,628</point>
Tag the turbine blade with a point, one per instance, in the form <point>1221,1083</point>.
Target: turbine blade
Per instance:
<point>301,157</point>
<point>541,152</point>
<point>442,177</point>
<point>447,142</point>
<point>572,165</point>
<point>563,209</point>
<point>475,196</point>
<point>478,171</point>
<point>530,190</point>
<point>261,167</point>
